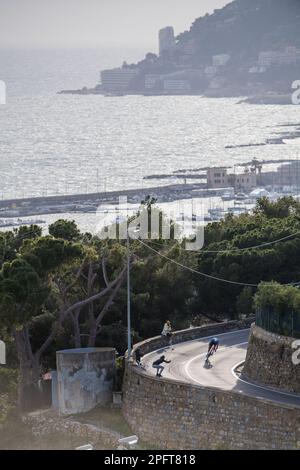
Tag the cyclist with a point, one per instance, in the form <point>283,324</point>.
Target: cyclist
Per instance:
<point>212,347</point>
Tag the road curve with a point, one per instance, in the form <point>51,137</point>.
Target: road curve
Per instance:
<point>187,365</point>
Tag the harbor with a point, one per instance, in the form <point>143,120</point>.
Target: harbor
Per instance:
<point>216,190</point>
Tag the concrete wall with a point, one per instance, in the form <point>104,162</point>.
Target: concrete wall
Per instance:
<point>85,378</point>
<point>174,415</point>
<point>269,360</point>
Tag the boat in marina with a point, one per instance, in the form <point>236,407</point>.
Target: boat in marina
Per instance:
<point>240,196</point>
<point>227,196</point>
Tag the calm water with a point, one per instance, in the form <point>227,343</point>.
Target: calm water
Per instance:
<point>52,144</point>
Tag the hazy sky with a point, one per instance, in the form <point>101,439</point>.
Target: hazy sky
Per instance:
<point>95,23</point>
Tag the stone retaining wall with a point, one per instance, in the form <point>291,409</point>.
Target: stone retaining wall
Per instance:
<point>174,415</point>
<point>47,423</point>
<point>269,360</point>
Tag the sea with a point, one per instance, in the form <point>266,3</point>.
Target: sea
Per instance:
<point>66,144</point>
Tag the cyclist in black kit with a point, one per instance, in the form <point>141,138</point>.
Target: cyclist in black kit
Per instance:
<point>212,347</point>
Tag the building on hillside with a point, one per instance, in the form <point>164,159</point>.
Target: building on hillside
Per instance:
<point>153,81</point>
<point>166,40</point>
<point>220,60</point>
<point>210,71</point>
<point>290,56</point>
<point>256,69</point>
<point>177,86</point>
<point>117,80</point>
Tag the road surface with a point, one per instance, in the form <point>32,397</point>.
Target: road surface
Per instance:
<point>187,365</point>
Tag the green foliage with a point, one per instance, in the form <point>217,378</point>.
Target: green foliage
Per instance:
<point>65,229</point>
<point>275,296</point>
<point>8,380</point>
<point>278,309</point>
<point>47,253</point>
<point>21,292</point>
<point>8,392</point>
<point>35,269</point>
<point>244,301</point>
<point>282,208</point>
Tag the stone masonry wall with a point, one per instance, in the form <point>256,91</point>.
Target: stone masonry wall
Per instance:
<point>46,423</point>
<point>174,415</point>
<point>269,360</point>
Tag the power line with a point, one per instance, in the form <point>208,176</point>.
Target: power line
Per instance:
<point>231,250</point>
<point>209,276</point>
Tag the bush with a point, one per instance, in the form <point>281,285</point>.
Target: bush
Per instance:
<point>8,380</point>
<point>8,392</point>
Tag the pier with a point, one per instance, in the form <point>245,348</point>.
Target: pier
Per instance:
<point>22,207</point>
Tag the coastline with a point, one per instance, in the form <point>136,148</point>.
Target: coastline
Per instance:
<point>267,98</point>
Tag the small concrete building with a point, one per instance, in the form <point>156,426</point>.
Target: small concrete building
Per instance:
<point>85,378</point>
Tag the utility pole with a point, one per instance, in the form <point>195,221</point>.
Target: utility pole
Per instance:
<point>129,347</point>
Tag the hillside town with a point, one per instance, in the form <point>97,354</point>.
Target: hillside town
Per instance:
<point>207,59</point>
<point>185,79</point>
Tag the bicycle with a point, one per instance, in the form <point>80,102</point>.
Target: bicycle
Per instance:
<point>208,355</point>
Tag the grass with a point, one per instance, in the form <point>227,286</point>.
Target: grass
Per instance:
<point>112,419</point>
<point>108,418</point>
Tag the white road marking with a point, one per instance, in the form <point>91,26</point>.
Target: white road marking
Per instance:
<point>198,339</point>
<point>267,389</point>
<point>188,364</point>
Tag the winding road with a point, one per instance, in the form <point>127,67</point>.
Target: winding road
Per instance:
<point>187,365</point>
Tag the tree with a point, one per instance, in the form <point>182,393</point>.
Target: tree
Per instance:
<point>278,209</point>
<point>55,280</point>
<point>25,289</point>
<point>97,296</point>
<point>65,229</point>
<point>244,301</point>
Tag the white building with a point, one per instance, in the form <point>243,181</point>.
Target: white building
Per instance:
<point>177,86</point>
<point>256,69</point>
<point>166,40</point>
<point>117,80</point>
<point>152,80</point>
<point>290,56</point>
<point>210,70</point>
<point>220,60</point>
<point>218,177</point>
